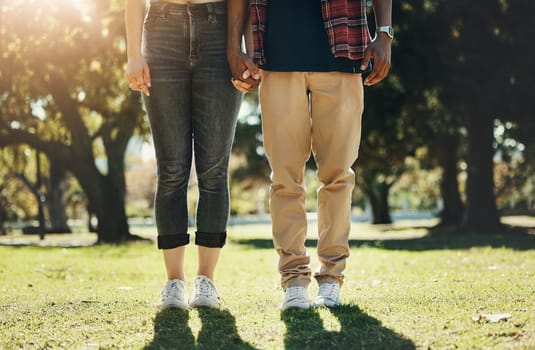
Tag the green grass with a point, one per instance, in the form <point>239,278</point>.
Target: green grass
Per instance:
<point>404,290</point>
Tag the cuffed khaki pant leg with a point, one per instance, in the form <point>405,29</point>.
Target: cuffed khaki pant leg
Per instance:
<point>337,102</point>
<point>286,127</point>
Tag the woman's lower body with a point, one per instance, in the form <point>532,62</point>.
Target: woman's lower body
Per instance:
<point>192,110</point>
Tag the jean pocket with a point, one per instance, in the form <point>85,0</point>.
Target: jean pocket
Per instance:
<point>219,13</point>
<point>153,16</point>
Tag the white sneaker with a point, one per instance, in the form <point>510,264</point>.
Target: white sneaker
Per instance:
<point>173,295</point>
<point>296,297</point>
<point>205,293</point>
<point>328,295</point>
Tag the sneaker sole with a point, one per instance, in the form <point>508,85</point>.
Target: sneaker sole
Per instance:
<point>326,304</point>
<point>204,303</point>
<point>180,306</point>
<point>296,306</point>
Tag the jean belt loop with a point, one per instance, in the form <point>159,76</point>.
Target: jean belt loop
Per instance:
<point>211,13</point>
<point>163,13</point>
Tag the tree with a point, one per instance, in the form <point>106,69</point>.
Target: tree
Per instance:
<point>384,147</point>
<point>249,167</point>
<point>519,118</point>
<point>384,142</point>
<point>62,92</point>
<point>55,199</point>
<point>17,202</point>
<point>480,89</point>
<point>46,182</point>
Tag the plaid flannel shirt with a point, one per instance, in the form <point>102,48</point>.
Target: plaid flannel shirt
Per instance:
<point>344,21</point>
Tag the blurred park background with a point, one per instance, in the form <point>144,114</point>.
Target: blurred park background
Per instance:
<point>449,134</point>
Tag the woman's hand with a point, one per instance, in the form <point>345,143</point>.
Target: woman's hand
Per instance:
<point>138,74</point>
<point>247,83</point>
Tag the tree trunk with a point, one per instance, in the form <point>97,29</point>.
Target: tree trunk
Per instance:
<point>453,210</point>
<point>107,202</point>
<point>116,141</point>
<point>112,221</point>
<point>481,212</point>
<point>114,208</point>
<point>377,193</point>
<point>3,218</point>
<point>40,197</point>
<point>55,199</point>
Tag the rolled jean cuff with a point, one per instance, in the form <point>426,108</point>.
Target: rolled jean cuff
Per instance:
<point>211,240</point>
<point>173,241</point>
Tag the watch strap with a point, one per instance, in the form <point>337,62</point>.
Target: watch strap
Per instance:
<point>389,30</point>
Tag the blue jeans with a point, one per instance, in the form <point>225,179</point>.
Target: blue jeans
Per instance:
<point>192,108</point>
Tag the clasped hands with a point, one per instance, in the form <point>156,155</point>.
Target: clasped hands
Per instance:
<point>246,75</point>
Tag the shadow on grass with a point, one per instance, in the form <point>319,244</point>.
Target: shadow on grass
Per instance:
<point>171,330</point>
<point>438,238</point>
<point>218,331</point>
<point>304,330</point>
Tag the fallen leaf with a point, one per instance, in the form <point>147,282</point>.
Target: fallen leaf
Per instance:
<point>496,317</point>
<point>375,283</point>
<point>493,318</point>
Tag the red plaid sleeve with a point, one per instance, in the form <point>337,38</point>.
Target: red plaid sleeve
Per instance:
<point>258,15</point>
<point>347,28</point>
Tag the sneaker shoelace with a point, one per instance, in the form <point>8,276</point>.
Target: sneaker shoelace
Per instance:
<point>173,290</point>
<point>295,293</point>
<point>328,291</point>
<point>206,288</point>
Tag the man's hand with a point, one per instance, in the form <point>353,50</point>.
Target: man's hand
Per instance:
<point>380,50</point>
<point>245,74</point>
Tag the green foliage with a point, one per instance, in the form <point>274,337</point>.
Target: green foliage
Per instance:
<point>445,91</point>
<point>17,202</point>
<point>63,93</point>
<point>417,189</point>
<point>249,169</point>
<point>62,90</point>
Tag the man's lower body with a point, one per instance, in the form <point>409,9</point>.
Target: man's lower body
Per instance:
<point>319,112</point>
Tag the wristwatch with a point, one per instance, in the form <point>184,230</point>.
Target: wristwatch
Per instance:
<point>389,30</point>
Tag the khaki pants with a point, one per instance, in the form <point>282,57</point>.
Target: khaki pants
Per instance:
<point>322,113</point>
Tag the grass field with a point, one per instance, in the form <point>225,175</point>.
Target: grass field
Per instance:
<point>406,288</point>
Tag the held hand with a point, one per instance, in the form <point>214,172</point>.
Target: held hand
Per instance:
<point>380,50</point>
<point>245,87</point>
<point>245,74</point>
<point>241,86</point>
<point>138,75</point>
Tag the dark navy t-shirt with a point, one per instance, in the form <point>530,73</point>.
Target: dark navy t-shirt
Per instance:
<point>296,40</point>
